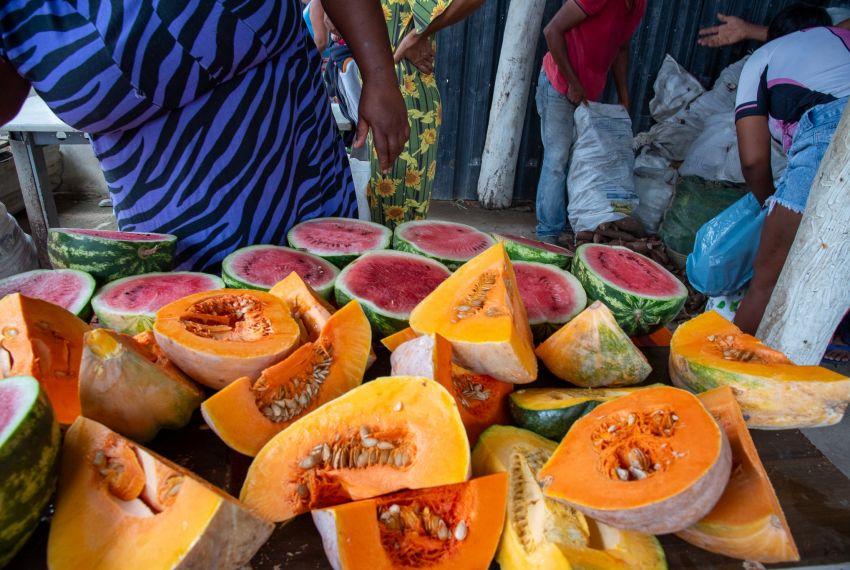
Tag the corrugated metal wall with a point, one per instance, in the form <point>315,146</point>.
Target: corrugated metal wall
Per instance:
<point>468,56</point>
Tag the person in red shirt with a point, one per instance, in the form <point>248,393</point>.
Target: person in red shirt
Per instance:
<point>586,40</point>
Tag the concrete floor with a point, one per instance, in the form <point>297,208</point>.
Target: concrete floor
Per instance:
<point>83,187</point>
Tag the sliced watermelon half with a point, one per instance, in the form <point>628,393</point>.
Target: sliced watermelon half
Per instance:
<point>29,448</point>
<point>552,296</point>
<point>110,255</point>
<point>129,305</point>
<point>521,248</point>
<point>261,266</point>
<point>388,285</point>
<point>642,294</point>
<point>68,288</point>
<point>450,243</point>
<point>339,240</point>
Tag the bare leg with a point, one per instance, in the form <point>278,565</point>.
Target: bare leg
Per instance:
<point>778,233</point>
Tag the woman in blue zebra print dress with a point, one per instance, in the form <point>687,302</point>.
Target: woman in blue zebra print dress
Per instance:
<point>208,116</point>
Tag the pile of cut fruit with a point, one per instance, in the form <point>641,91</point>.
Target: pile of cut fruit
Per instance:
<point>442,464</point>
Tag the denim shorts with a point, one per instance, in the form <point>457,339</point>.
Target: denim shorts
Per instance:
<point>814,132</point>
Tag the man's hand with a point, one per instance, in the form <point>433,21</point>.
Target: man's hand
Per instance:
<point>731,30</point>
<point>576,93</point>
<point>383,110</point>
<point>417,49</point>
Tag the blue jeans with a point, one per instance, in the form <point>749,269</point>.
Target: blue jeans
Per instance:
<point>556,129</point>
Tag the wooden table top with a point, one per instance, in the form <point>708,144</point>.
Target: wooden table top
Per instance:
<point>814,494</point>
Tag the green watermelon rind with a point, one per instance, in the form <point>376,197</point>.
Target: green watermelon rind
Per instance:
<point>407,246</point>
<point>518,251</point>
<point>28,465</point>
<point>81,307</point>
<point>543,329</point>
<point>234,282</point>
<point>635,313</point>
<point>130,322</point>
<point>108,259</point>
<point>383,322</point>
<point>341,260</point>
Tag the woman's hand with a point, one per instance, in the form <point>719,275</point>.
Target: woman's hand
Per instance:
<point>731,30</point>
<point>383,110</point>
<point>417,49</point>
<point>576,93</point>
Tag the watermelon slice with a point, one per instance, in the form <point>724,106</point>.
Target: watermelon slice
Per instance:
<point>521,248</point>
<point>109,255</point>
<point>642,294</point>
<point>261,266</point>
<point>388,284</point>
<point>339,240</point>
<point>551,296</point>
<point>29,448</point>
<point>450,243</point>
<point>129,305</point>
<point>68,288</point>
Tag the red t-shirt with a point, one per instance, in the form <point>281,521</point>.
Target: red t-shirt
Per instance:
<point>593,44</point>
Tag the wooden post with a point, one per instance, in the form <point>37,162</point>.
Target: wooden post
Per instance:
<point>813,291</point>
<point>507,112</point>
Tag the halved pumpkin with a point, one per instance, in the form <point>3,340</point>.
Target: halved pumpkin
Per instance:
<point>747,522</point>
<point>45,341</point>
<point>774,393</point>
<point>592,351</point>
<point>654,461</point>
<point>120,506</point>
<point>218,336</point>
<point>478,309</point>
<point>395,340</point>
<point>447,527</point>
<point>389,434</point>
<point>481,399</point>
<point>247,415</point>
<point>123,387</point>
<point>541,533</point>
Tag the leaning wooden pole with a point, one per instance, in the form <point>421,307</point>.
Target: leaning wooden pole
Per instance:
<point>813,291</point>
<point>507,113</point>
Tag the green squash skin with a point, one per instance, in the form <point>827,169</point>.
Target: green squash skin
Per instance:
<point>552,424</point>
<point>523,252</point>
<point>28,470</point>
<point>109,259</point>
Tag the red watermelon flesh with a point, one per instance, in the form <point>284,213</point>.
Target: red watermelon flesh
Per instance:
<point>338,235</point>
<point>148,293</point>
<point>392,282</point>
<point>538,244</point>
<point>445,239</point>
<point>548,293</point>
<point>123,236</point>
<point>265,265</point>
<point>68,288</point>
<point>622,268</point>
<point>10,403</point>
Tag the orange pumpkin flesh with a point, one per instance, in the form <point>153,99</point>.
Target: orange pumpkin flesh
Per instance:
<point>654,461</point>
<point>393,341</point>
<point>218,336</point>
<point>389,434</point>
<point>247,415</point>
<point>747,522</point>
<point>481,399</point>
<point>167,518</point>
<point>45,341</point>
<point>448,527</point>
<point>478,309</point>
<point>123,386</point>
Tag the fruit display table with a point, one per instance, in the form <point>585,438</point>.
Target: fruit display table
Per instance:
<point>814,494</point>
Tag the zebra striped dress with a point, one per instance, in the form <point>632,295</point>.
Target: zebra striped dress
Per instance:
<point>208,116</point>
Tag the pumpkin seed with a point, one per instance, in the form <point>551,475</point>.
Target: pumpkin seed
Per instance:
<point>307,463</point>
<point>370,442</point>
<point>394,508</point>
<point>460,531</point>
<point>302,491</point>
<point>443,531</point>
<point>398,406</point>
<point>622,474</point>
<point>385,445</point>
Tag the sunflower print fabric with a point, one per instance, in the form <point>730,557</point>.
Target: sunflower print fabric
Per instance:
<point>404,193</point>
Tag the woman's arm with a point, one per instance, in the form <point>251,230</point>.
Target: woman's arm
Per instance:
<point>754,150</point>
<point>731,30</point>
<point>317,20</point>
<point>14,92</point>
<point>620,70</point>
<point>569,16</point>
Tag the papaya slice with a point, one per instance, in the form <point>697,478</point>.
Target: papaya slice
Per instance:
<point>393,433</point>
<point>120,505</point>
<point>446,527</point>
<point>247,415</point>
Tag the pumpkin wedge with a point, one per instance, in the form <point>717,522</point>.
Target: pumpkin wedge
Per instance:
<point>393,433</point>
<point>654,461</point>
<point>218,336</point>
<point>45,341</point>
<point>443,528</point>
<point>774,393</point>
<point>304,303</point>
<point>123,387</point>
<point>592,351</point>
<point>247,415</point>
<point>395,340</point>
<point>121,506</point>
<point>478,309</point>
<point>543,534</point>
<point>481,399</point>
<point>747,522</point>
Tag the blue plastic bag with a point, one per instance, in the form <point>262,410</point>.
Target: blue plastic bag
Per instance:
<point>725,248</point>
